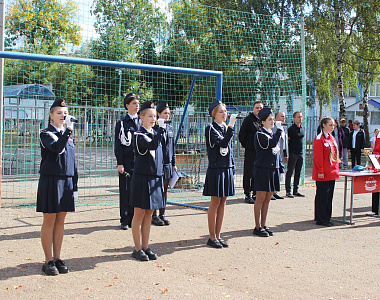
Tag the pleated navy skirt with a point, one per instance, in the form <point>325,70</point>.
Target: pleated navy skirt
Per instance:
<point>55,194</point>
<point>147,191</point>
<point>266,179</point>
<point>168,171</point>
<point>219,182</point>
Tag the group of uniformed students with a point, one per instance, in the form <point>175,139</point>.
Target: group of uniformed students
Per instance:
<point>145,154</point>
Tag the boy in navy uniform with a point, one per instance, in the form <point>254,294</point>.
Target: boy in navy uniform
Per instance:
<point>124,131</point>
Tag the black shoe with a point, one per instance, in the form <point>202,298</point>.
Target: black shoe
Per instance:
<point>124,226</point>
<point>49,268</point>
<point>214,243</point>
<point>270,232</point>
<point>277,196</point>
<point>223,243</point>
<point>157,221</point>
<point>289,195</point>
<point>140,255</point>
<point>326,224</point>
<point>151,254</point>
<point>61,267</point>
<point>250,200</point>
<point>298,194</point>
<point>260,232</point>
<point>163,218</point>
<point>273,198</point>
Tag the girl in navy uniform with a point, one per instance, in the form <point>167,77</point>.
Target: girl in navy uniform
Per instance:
<point>219,182</point>
<point>268,170</point>
<point>146,185</point>
<point>57,186</point>
<point>125,156</point>
<point>168,148</point>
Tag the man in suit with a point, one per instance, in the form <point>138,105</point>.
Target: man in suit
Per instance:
<point>282,143</point>
<point>357,142</point>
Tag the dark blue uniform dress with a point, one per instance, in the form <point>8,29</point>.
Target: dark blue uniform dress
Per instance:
<point>124,130</point>
<point>268,163</point>
<point>168,150</point>
<point>219,180</point>
<point>147,183</point>
<point>58,172</point>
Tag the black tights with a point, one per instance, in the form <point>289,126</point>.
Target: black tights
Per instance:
<point>162,210</point>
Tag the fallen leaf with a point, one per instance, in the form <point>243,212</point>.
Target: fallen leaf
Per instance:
<point>10,250</point>
<point>277,243</point>
<point>88,288</point>
<point>111,284</point>
<point>116,277</point>
<point>28,258</point>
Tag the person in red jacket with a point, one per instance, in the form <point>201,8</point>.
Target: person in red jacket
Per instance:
<point>376,196</point>
<point>325,171</point>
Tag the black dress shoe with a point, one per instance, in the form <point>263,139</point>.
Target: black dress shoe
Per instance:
<point>250,200</point>
<point>260,232</point>
<point>273,198</point>
<point>49,268</point>
<point>326,224</point>
<point>223,243</point>
<point>62,268</point>
<point>124,226</point>
<point>214,243</point>
<point>163,218</point>
<point>289,195</point>
<point>140,255</point>
<point>277,196</point>
<point>157,221</point>
<point>270,232</point>
<point>298,194</point>
<point>151,254</point>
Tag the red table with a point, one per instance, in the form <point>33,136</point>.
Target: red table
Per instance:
<point>361,183</point>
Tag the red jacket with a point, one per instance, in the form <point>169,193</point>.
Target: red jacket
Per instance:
<point>376,148</point>
<point>325,160</point>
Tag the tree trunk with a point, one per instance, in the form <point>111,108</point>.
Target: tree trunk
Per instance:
<point>339,59</point>
<point>365,115</point>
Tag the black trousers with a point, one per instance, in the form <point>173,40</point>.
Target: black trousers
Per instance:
<point>323,201</point>
<point>375,203</point>
<point>249,162</point>
<point>295,163</point>
<point>355,157</point>
<point>126,210</point>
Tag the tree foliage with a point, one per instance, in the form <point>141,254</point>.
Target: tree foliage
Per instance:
<point>42,26</point>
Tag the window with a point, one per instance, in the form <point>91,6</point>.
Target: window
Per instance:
<point>375,117</point>
<point>14,100</point>
<point>377,86</point>
<point>350,115</point>
<point>359,113</point>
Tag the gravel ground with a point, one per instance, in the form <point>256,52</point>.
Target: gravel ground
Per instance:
<point>301,261</point>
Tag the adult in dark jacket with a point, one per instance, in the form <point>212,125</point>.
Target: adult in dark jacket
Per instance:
<point>296,135</point>
<point>248,129</point>
<point>345,142</point>
<point>125,157</point>
<point>356,143</point>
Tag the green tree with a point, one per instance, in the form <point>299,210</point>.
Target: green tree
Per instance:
<point>365,52</point>
<point>42,26</point>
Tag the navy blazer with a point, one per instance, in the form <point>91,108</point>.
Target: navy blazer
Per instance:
<point>168,145</point>
<point>264,143</point>
<point>143,143</point>
<point>57,152</point>
<point>218,137</point>
<point>124,153</point>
